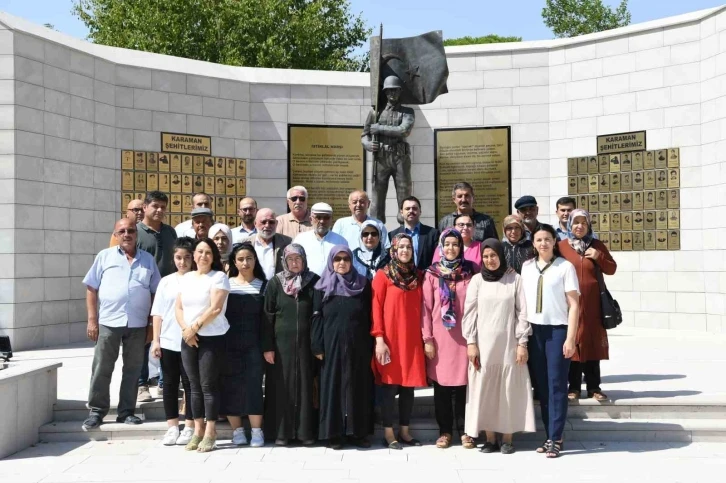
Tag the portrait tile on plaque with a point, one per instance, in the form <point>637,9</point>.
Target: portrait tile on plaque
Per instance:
<point>152,162</point>
<point>626,220</point>
<point>604,221</point>
<point>219,187</point>
<point>231,205</point>
<point>661,240</point>
<point>208,165</point>
<point>187,183</point>
<point>674,180</point>
<point>615,239</point>
<point>594,204</point>
<point>638,198</point>
<point>661,200</point>
<point>614,182</point>
<point>626,201</point>
<point>220,206</point>
<point>603,162</point>
<point>649,180</point>
<point>674,199</point>
<point>626,181</point>
<point>152,181</point>
<point>127,160</point>
<point>176,183</point>
<point>139,161</point>
<point>140,196</point>
<point>674,239</point>
<point>592,166</point>
<point>615,202</point>
<point>604,202</point>
<point>242,167</point>
<point>674,219</point>
<point>649,201</point>
<point>604,186</point>
<point>582,165</point>
<point>593,183</point>
<point>595,222</point>
<point>583,202</point>
<point>187,166</point>
<point>649,240</point>
<point>661,220</point>
<point>175,219</point>
<point>674,158</point>
<point>231,167</point>
<point>638,181</point>
<point>164,162</point>
<point>649,223</point>
<point>615,222</point>
<point>626,241</point>
<point>140,182</point>
<point>198,183</point>
<point>605,238</point>
<point>176,204</point>
<point>221,219</point>
<point>661,159</point>
<point>637,161</point>
<point>125,200</point>
<point>230,187</point>
<point>638,221</point>
<point>582,184</point>
<point>241,186</point>
<point>176,163</point>
<point>649,162</point>
<point>661,179</point>
<point>209,185</point>
<point>187,203</point>
<point>638,241</point>
<point>220,166</point>
<point>571,166</point>
<point>625,162</point>
<point>127,181</point>
<point>615,163</point>
<point>572,185</point>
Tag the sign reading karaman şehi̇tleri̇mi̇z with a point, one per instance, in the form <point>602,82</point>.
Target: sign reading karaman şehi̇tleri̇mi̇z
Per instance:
<point>621,142</point>
<point>185,143</point>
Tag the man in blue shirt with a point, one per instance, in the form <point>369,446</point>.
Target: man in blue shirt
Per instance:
<point>349,226</point>
<point>119,290</point>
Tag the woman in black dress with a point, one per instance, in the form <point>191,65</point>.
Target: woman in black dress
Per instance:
<point>241,375</point>
<point>341,340</point>
<point>289,411</point>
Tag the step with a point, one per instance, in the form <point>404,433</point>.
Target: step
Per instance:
<point>426,429</point>
<point>65,410</point>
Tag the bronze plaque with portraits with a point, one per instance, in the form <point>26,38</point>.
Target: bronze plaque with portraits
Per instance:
<point>572,185</point>
<point>583,184</point>
<point>661,159</point>
<point>626,181</point>
<point>661,200</point>
<point>649,161</point>
<point>649,200</point>
<point>674,178</point>
<point>661,220</point>
<point>638,241</point>
<point>674,239</point>
<point>605,238</point>
<point>164,163</point>
<point>649,222</point>
<point>571,166</point>
<point>615,182</point>
<point>603,202</point>
<point>582,165</point>
<point>626,220</point>
<point>661,179</point>
<point>638,200</point>
<point>626,201</point>
<point>615,222</point>
<point>593,201</point>
<point>198,164</point>
<point>674,158</point>
<point>674,199</point>
<point>604,184</point>
<point>638,181</point>
<point>649,240</point>
<point>187,165</point>
<point>615,163</point>
<point>626,241</point>
<point>603,162</point>
<point>593,183</point>
<point>127,160</point>
<point>625,162</point>
<point>661,240</point>
<point>615,239</point>
<point>592,166</point>
<point>595,222</point>
<point>638,221</point>
<point>674,219</point>
<point>605,222</point>
<point>615,202</point>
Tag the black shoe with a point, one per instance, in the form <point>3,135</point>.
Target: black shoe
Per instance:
<point>393,445</point>
<point>507,448</point>
<point>308,442</point>
<point>489,447</point>
<point>129,419</point>
<point>410,442</point>
<point>360,442</point>
<point>92,422</point>
<point>281,442</point>
<point>335,443</point>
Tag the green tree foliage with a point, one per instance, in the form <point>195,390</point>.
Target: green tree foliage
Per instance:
<point>487,39</point>
<point>297,34</point>
<point>570,18</point>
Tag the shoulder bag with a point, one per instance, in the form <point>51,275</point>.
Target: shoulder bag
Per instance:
<point>610,308</point>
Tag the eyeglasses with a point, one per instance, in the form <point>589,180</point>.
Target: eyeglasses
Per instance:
<point>321,217</point>
<point>464,225</point>
<point>268,222</point>
<point>136,210</point>
<point>367,234</point>
<point>341,259</point>
<point>246,209</point>
<point>296,198</point>
<point>123,231</point>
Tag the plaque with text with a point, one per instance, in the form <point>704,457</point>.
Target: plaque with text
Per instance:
<point>674,199</point>
<point>661,158</point>
<point>661,200</point>
<point>649,161</point>
<point>638,220</point>
<point>674,158</point>
<point>661,179</point>
<point>649,222</point>
<point>593,183</point>
<point>625,162</point>
<point>621,142</point>
<point>626,242</point>
<point>638,181</point>
<point>582,165</point>
<point>186,143</point>
<point>661,240</point>
<point>649,242</point>
<point>615,202</point>
<point>626,222</point>
<point>603,162</point>
<point>592,166</point>
<point>572,185</point>
<point>615,222</point>
<point>637,161</point>
<point>330,162</point>
<point>605,238</point>
<point>638,241</point>
<point>673,178</point>
<point>481,156</point>
<point>626,181</point>
<point>626,201</point>
<point>638,200</point>
<point>604,202</point>
<point>604,221</point>
<point>674,239</point>
<point>614,164</point>
<point>615,241</point>
<point>594,203</point>
<point>127,160</point>
<point>661,220</point>
<point>571,166</point>
<point>674,219</point>
<point>595,222</point>
<point>583,185</point>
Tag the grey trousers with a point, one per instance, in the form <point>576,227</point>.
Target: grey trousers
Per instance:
<point>110,339</point>
<point>390,165</point>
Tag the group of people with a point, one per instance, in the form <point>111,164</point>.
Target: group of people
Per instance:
<point>335,319</point>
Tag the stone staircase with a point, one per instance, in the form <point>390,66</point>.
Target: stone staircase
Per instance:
<point>588,420</point>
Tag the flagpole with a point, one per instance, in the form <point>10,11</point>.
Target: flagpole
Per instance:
<point>374,137</point>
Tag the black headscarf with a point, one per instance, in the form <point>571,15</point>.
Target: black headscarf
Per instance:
<point>495,275</point>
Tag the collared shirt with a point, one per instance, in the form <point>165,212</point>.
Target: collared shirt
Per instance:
<point>266,254</point>
<point>317,250</point>
<point>350,229</point>
<point>483,225</point>
<point>414,234</point>
<point>240,233</point>
<point>183,229</point>
<point>124,289</point>
<point>160,244</point>
<point>288,225</point>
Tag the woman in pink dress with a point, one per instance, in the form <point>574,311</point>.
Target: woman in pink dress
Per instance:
<point>472,248</point>
<point>444,293</point>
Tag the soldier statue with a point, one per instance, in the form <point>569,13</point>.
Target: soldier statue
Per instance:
<point>385,137</point>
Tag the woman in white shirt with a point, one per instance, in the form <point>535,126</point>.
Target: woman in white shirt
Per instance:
<point>552,293</point>
<point>200,308</point>
<point>167,346</point>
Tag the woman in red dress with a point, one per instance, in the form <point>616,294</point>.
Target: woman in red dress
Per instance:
<point>398,363</point>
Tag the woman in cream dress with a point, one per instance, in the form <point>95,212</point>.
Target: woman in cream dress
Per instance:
<point>499,397</point>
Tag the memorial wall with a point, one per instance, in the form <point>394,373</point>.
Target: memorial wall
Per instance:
<point>75,118</point>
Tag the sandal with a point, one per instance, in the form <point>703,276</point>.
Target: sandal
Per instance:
<point>392,445</point>
<point>543,447</point>
<point>207,445</point>
<point>554,448</point>
<point>468,442</point>
<point>193,443</point>
<point>597,395</point>
<point>444,441</point>
<point>573,395</point>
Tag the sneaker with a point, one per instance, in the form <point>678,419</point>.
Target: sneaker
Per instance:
<point>258,438</point>
<point>144,395</point>
<point>185,436</point>
<point>159,391</point>
<point>172,434</point>
<point>239,437</point>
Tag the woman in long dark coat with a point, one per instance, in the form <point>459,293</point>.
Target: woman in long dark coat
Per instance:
<point>289,411</point>
<point>342,341</point>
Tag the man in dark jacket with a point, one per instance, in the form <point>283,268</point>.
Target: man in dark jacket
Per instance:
<point>425,238</point>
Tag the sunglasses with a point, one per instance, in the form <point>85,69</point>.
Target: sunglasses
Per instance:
<point>322,217</point>
<point>341,259</point>
<point>268,222</point>
<point>297,198</point>
<point>367,234</point>
<point>123,231</point>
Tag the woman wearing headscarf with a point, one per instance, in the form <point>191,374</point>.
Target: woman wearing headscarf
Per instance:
<point>587,255</point>
<point>289,412</point>
<point>221,235</point>
<point>517,247</point>
<point>398,363</point>
<point>444,293</point>
<point>472,248</point>
<point>371,255</point>
<point>495,326</point>
<point>341,340</point>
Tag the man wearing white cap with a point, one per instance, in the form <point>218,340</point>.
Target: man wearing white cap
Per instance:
<point>318,242</point>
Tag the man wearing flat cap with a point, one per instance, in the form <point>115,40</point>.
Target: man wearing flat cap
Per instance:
<point>320,240</point>
<point>528,210</point>
<point>201,222</point>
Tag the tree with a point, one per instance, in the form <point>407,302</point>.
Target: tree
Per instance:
<point>569,18</point>
<point>296,34</point>
<point>487,39</point>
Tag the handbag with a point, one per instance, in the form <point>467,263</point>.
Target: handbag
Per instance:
<point>610,308</point>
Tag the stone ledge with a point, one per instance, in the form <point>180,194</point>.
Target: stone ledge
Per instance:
<point>17,370</point>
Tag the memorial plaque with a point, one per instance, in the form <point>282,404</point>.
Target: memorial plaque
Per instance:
<point>674,219</point>
<point>605,238</point>
<point>604,202</point>
<point>164,162</point>
<point>626,201</point>
<point>140,196</point>
<point>661,220</point>
<point>626,181</point>
<point>593,183</point>
<point>583,202</point>
<point>572,185</point>
<point>582,185</point>
<point>127,160</point>
<point>649,243</point>
<point>595,222</point>
<point>231,169</point>
<point>241,187</point>
<point>330,162</point>
<point>661,200</point>
<point>152,181</point>
<point>219,166</point>
<point>209,185</point>
<point>222,219</point>
<point>176,183</point>
<point>175,220</point>
<point>140,182</point>
<point>592,166</point>
<point>626,241</point>
<point>604,221</point>
<point>614,202</point>
<point>626,221</point>
<point>615,238</point>
<point>638,221</point>
<point>198,165</point>
<point>673,178</point>
<point>152,162</point>
<point>649,223</point>
<point>208,165</point>
<point>571,166</point>
<point>674,199</point>
<point>198,183</point>
<point>242,168</point>
<point>593,203</point>
<point>219,186</point>
<point>614,182</point>
<point>638,200</point>
<point>621,142</point>
<point>220,205</point>
<point>187,206</point>
<point>625,162</point>
<point>649,162</point>
<point>661,159</point>
<point>187,183</point>
<point>674,239</point>
<point>186,144</point>
<point>604,183</point>
<point>615,222</point>
<point>176,204</point>
<point>637,161</point>
<point>649,180</point>
<point>582,165</point>
<point>139,161</point>
<point>125,200</point>
<point>638,181</point>
<point>614,164</point>
<point>661,179</point>
<point>176,163</point>
<point>661,240</point>
<point>674,158</point>
<point>127,181</point>
<point>649,201</point>
<point>638,241</point>
<point>231,205</point>
<point>603,162</point>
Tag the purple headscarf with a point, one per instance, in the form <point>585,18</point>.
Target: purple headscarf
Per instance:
<point>333,283</point>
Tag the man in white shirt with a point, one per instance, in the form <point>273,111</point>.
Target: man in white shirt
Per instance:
<point>247,212</point>
<point>349,227</point>
<point>318,242</point>
<point>268,244</point>
<point>199,200</point>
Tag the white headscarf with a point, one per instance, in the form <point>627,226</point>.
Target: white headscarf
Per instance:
<point>217,227</point>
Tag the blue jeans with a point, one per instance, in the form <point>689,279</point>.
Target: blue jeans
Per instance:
<point>144,377</point>
<point>550,371</point>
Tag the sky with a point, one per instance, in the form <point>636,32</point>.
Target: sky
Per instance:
<point>404,18</point>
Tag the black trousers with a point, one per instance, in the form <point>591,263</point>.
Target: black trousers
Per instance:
<point>591,369</point>
<point>173,369</point>
<point>447,410</point>
<point>202,365</point>
<point>405,404</point>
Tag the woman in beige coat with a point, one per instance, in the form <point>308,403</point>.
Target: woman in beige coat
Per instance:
<point>499,397</point>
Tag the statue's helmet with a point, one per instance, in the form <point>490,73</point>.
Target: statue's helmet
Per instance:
<point>392,82</point>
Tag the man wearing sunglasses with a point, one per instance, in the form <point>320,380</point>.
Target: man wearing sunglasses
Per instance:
<point>298,220</point>
<point>120,287</point>
<point>134,211</point>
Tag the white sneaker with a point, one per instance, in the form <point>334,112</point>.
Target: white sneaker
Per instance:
<point>172,434</point>
<point>239,437</point>
<point>185,436</point>
<point>258,438</point>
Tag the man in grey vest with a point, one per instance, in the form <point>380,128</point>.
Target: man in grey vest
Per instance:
<point>385,137</point>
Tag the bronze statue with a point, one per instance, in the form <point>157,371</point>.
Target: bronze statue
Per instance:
<point>386,139</point>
